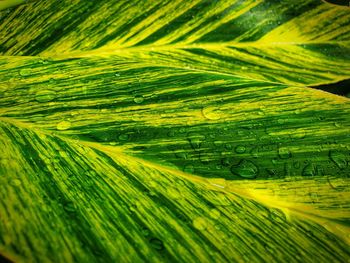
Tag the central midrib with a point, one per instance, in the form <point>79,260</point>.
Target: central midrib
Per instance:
<point>110,50</point>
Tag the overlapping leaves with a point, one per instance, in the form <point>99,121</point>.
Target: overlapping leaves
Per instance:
<point>174,130</point>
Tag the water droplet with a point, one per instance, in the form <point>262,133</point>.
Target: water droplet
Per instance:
<point>309,170</point>
<point>338,184</point>
<point>156,243</point>
<point>182,130</point>
<point>226,161</point>
<point>338,124</point>
<point>200,223</point>
<point>296,164</point>
<point>211,113</point>
<point>123,137</point>
<point>189,168</point>
<point>274,161</point>
<point>281,121</point>
<point>214,213</point>
<point>246,169</point>
<point>145,231</point>
<point>16,182</point>
<point>240,149</point>
<point>25,72</point>
<point>271,172</point>
<point>219,166</point>
<point>284,153</point>
<point>277,215</point>
<point>181,155</point>
<point>173,193</point>
<point>228,146</point>
<point>195,140</point>
<point>63,125</point>
<point>69,207</point>
<point>298,133</point>
<point>338,158</point>
<point>45,95</point>
<point>63,154</point>
<point>139,99</point>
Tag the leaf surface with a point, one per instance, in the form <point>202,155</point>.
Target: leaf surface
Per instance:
<point>174,131</point>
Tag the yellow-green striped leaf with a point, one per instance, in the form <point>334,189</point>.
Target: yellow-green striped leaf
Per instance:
<point>174,131</point>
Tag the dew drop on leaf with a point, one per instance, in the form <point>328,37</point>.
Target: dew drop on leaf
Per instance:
<point>182,130</point>
<point>309,170</point>
<point>139,99</point>
<point>281,121</point>
<point>277,215</point>
<point>24,72</point>
<point>228,146</point>
<point>173,193</point>
<point>123,137</point>
<point>63,125</point>
<point>225,161</point>
<point>296,164</point>
<point>145,231</point>
<point>214,213</point>
<point>274,161</point>
<point>338,158</point>
<point>211,113</point>
<point>246,169</point>
<point>69,207</point>
<point>338,124</point>
<point>338,184</point>
<point>181,155</point>
<point>298,134</point>
<point>156,243</point>
<point>16,182</point>
<point>45,95</point>
<point>195,139</point>
<point>63,154</point>
<point>200,223</point>
<point>240,149</point>
<point>284,153</point>
<point>271,172</point>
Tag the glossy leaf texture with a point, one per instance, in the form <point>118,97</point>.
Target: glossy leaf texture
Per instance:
<point>174,131</point>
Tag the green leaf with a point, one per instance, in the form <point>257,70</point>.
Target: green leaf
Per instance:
<point>174,131</point>
<point>4,4</point>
